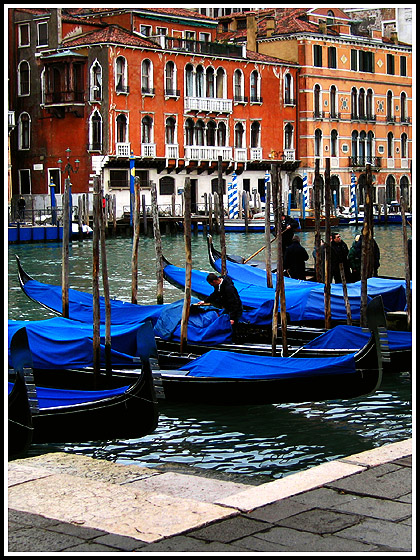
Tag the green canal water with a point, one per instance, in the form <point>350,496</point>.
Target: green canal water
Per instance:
<point>270,441</point>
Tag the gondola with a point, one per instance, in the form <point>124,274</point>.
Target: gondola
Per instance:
<point>72,409</point>
<point>219,377</point>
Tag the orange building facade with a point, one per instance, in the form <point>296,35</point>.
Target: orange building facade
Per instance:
<point>354,97</point>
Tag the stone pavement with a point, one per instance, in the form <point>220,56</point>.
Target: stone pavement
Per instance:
<point>70,503</point>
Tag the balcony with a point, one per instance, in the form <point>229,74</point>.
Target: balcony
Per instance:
<point>122,149</point>
<point>208,153</point>
<point>256,154</point>
<point>289,155</point>
<point>203,47</point>
<point>171,151</point>
<point>208,104</point>
<point>362,161</point>
<point>240,154</point>
<point>148,150</point>
<point>68,97</point>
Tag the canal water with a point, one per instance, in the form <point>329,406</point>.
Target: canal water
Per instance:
<point>265,441</point>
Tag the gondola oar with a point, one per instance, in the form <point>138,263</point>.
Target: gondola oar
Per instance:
<point>262,248</point>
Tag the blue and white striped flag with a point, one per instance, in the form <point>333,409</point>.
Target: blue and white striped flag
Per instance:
<point>233,202</point>
<point>353,196</point>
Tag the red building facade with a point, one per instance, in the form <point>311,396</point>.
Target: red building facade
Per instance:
<point>147,83</point>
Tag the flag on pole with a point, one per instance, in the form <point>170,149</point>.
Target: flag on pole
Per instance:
<point>233,202</point>
<point>353,197</point>
<point>132,174</point>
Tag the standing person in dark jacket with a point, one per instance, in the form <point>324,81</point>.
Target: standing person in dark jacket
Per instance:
<point>339,254</point>
<point>288,226</point>
<point>294,259</point>
<point>225,295</point>
<point>355,258</point>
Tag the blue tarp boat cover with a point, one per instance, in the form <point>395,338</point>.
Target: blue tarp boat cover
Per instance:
<point>348,337</point>
<point>304,299</point>
<point>232,365</point>
<point>81,305</point>
<point>51,398</point>
<point>62,343</point>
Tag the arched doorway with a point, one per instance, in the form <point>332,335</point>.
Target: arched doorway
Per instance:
<point>297,188</point>
<point>335,190</point>
<point>405,189</point>
<point>390,189</point>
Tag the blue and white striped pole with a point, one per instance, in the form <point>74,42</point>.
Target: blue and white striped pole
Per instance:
<point>132,197</point>
<point>305,195</point>
<point>267,180</point>
<point>233,202</point>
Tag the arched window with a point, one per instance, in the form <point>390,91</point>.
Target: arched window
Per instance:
<point>199,133</point>
<point>221,134</point>
<point>318,141</point>
<point>370,113</point>
<point>333,102</point>
<point>238,86</point>
<point>24,131</point>
<point>255,87</point>
<point>255,134</point>
<point>362,147</point>
<point>334,143</point>
<point>317,101</point>
<point>96,82</point>
<point>146,130</point>
<point>215,186</point>
<point>403,107</point>
<point>335,190</point>
<point>23,78</point>
<point>122,128</point>
<point>297,188</point>
<point>353,103</point>
<point>210,82</point>
<point>239,135</point>
<point>211,133</point>
<point>288,89</point>
<point>362,113</point>
<point>166,185</point>
<point>288,137</point>
<point>220,83</point>
<point>170,130</point>
<point>370,151</point>
<point>390,189</point>
<point>95,131</point>
<point>330,17</point>
<point>189,132</point>
<point>404,145</point>
<point>121,75</point>
<point>146,77</point>
<point>170,79</point>
<point>389,111</point>
<point>354,142</point>
<point>404,188</point>
<point>390,144</point>
<point>199,82</point>
<point>189,80</point>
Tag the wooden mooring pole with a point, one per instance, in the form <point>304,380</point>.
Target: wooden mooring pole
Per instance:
<point>327,246</point>
<point>65,251</point>
<point>317,211</point>
<point>222,216</point>
<point>406,261</point>
<point>158,245</point>
<point>367,248</point>
<point>95,281</point>
<point>135,249</point>
<point>188,265</point>
<point>280,291</point>
<point>105,283</point>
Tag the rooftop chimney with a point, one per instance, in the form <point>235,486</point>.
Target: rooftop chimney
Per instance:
<point>270,25</point>
<point>322,27</point>
<point>251,33</point>
<point>394,37</point>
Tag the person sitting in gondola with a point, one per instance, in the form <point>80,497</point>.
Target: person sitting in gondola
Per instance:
<point>226,296</point>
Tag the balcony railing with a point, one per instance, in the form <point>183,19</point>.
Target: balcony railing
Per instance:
<point>256,154</point>
<point>240,154</point>
<point>172,151</point>
<point>289,155</point>
<point>203,47</point>
<point>148,150</point>
<point>64,97</point>
<point>208,104</point>
<point>11,119</point>
<point>208,153</point>
<point>361,161</point>
<point>122,149</point>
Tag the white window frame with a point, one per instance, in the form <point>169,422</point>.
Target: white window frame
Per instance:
<point>205,37</point>
<point>20,94</point>
<point>162,31</point>
<point>174,82</point>
<point>20,143</point>
<point>124,74</point>
<point>258,87</point>
<point>147,28</point>
<point>93,88</point>
<point>149,77</point>
<point>238,72</point>
<point>95,112</point>
<point>20,44</point>
<point>38,43</point>
<point>126,140</point>
<point>292,99</point>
